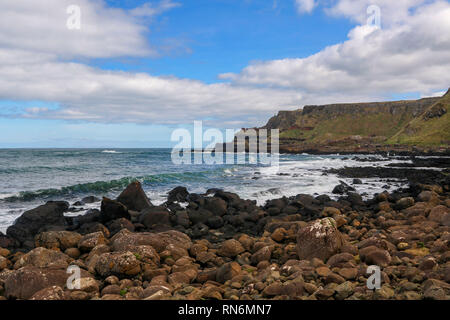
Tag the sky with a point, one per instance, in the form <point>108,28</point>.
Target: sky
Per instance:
<point>110,73</point>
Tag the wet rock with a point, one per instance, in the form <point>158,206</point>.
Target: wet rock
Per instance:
<point>319,239</point>
<point>216,205</point>
<point>134,197</point>
<point>38,220</point>
<point>112,210</point>
<point>155,216</point>
<point>179,194</point>
<point>90,199</point>
<point>119,224</point>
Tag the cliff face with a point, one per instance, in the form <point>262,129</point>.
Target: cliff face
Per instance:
<point>355,127</point>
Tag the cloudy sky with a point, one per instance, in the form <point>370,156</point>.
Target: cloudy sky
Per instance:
<point>127,73</point>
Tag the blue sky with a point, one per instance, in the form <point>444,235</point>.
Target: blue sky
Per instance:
<point>137,70</point>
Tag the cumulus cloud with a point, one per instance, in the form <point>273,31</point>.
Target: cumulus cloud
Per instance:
<point>412,56</point>
<point>305,6</point>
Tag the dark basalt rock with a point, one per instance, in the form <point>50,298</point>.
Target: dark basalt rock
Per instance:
<point>90,199</point>
<point>112,210</point>
<point>155,216</point>
<point>134,197</point>
<point>37,220</point>
<point>179,194</point>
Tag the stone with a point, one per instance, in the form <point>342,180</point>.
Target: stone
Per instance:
<point>120,264</point>
<point>230,248</point>
<point>434,293</point>
<point>348,273</point>
<point>134,197</point>
<point>228,271</point>
<point>263,254</point>
<point>50,293</point>
<point>384,293</point>
<point>279,235</point>
<point>90,241</point>
<point>38,220</point>
<point>124,240</point>
<point>319,239</point>
<point>25,282</point>
<point>344,290</point>
<point>375,256</point>
<point>323,271</point>
<point>404,203</point>
<point>440,214</point>
<point>57,240</point>
<point>4,263</point>
<point>216,205</point>
<point>340,259</point>
<point>112,210</point>
<point>154,216</point>
<point>179,194</point>
<point>43,258</point>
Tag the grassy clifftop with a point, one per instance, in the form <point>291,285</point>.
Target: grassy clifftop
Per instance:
<point>345,127</point>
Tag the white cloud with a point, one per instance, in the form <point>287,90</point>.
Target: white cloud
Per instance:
<point>413,56</point>
<point>105,32</point>
<point>305,6</point>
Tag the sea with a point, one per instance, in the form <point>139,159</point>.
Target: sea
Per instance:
<point>31,177</point>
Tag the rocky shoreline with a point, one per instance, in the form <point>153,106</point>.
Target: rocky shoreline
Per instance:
<point>219,246</point>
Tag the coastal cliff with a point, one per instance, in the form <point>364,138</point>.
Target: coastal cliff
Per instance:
<point>395,126</point>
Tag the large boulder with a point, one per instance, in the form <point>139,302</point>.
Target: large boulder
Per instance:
<point>121,264</point>
<point>57,240</point>
<point>440,214</point>
<point>43,258</point>
<point>25,282</point>
<point>230,248</point>
<point>112,210</point>
<point>134,197</point>
<point>37,220</point>
<point>155,216</point>
<point>319,239</point>
<point>179,194</point>
<point>125,240</point>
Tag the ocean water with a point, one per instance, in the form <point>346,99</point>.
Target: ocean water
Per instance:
<point>30,177</point>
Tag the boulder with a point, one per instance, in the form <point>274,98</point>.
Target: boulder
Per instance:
<point>120,264</point>
<point>50,293</point>
<point>216,205</point>
<point>38,220</point>
<point>112,210</point>
<point>57,240</point>
<point>319,239</point>
<point>228,271</point>
<point>119,224</point>
<point>124,240</point>
<point>440,214</point>
<point>152,217</point>
<point>43,258</point>
<point>90,241</point>
<point>179,194</point>
<point>25,282</point>
<point>134,197</point>
<point>230,248</point>
<point>373,255</point>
